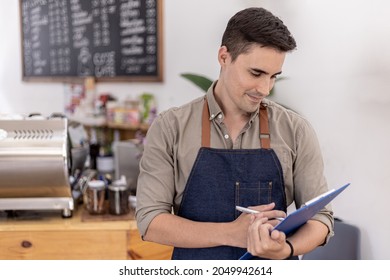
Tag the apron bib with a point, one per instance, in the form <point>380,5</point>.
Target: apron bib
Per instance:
<point>223,178</point>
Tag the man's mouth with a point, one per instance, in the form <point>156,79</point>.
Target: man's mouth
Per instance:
<point>255,97</point>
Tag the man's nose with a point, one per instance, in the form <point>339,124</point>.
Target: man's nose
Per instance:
<point>264,86</point>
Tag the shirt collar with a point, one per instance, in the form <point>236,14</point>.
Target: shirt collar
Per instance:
<point>214,108</point>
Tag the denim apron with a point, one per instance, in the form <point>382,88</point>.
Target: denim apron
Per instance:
<point>223,178</point>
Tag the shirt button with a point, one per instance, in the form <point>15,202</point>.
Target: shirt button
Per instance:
<point>212,116</point>
<point>220,116</point>
<point>226,136</point>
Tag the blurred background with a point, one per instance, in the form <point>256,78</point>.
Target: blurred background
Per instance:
<point>338,78</point>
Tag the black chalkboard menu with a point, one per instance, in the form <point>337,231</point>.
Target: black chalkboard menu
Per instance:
<point>104,39</point>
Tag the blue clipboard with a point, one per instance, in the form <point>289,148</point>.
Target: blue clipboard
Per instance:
<point>300,216</point>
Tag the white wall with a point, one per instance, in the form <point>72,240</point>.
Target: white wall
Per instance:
<point>339,79</point>
<point>336,78</point>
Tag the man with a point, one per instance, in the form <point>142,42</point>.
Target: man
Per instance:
<point>233,147</point>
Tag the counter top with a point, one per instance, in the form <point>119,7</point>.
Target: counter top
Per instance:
<point>53,221</point>
<point>33,235</point>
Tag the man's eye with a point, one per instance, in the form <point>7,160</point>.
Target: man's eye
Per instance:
<point>256,74</point>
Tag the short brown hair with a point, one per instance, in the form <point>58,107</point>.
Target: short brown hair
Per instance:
<point>256,26</point>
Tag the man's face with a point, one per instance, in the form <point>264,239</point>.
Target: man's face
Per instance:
<point>250,78</point>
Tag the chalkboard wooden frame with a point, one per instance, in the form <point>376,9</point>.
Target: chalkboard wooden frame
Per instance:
<point>156,77</point>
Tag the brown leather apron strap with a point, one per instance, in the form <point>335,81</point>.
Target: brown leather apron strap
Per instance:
<point>206,125</point>
<point>265,139</point>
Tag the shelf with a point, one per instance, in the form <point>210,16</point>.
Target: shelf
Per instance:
<point>143,127</point>
<point>101,122</point>
<point>89,121</point>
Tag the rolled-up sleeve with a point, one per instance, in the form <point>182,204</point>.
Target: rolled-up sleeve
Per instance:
<point>308,174</point>
<point>295,142</point>
<point>155,186</point>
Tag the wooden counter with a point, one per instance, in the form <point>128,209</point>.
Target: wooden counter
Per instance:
<point>49,236</point>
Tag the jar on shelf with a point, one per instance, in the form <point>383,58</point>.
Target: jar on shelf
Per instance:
<point>94,197</point>
<point>118,197</point>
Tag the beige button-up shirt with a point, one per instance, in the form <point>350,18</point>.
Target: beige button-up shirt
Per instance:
<point>174,139</point>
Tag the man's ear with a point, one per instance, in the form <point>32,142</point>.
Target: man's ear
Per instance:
<point>223,55</point>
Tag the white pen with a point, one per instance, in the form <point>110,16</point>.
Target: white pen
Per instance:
<point>251,211</point>
<point>246,210</point>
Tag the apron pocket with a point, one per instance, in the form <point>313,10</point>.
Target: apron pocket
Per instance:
<point>253,194</point>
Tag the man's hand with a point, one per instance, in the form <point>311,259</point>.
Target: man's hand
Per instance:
<point>264,242</point>
<point>268,211</point>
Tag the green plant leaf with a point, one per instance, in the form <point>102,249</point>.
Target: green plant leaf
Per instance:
<point>201,81</point>
<point>277,80</point>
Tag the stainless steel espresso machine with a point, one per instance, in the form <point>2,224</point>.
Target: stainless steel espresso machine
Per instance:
<point>34,165</point>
